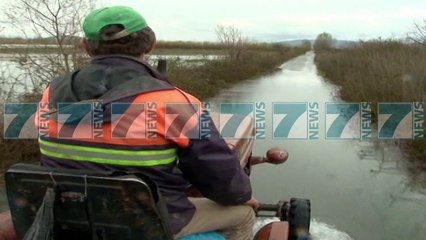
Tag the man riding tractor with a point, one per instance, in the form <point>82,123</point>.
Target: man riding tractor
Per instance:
<point>117,38</point>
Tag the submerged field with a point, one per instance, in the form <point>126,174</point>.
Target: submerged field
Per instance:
<point>381,71</point>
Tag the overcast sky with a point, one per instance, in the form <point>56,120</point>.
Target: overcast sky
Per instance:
<point>275,20</point>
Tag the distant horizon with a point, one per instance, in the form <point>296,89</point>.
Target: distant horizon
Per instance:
<point>268,20</point>
<point>2,37</point>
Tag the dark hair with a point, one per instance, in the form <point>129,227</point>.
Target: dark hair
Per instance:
<point>135,44</point>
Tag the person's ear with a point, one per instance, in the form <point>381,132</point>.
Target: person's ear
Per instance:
<point>152,39</point>
<point>85,45</point>
<point>151,47</point>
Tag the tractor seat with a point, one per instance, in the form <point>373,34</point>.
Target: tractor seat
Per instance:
<point>90,205</point>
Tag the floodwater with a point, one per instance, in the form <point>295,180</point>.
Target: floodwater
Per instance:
<point>356,189</point>
<point>14,80</point>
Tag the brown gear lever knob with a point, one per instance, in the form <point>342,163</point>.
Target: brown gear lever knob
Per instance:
<point>276,155</point>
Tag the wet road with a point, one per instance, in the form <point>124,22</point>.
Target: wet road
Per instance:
<point>355,187</point>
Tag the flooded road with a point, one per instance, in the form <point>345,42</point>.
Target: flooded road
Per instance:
<point>355,187</point>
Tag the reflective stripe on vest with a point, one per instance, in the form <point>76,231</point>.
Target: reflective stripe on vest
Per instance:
<point>144,158</point>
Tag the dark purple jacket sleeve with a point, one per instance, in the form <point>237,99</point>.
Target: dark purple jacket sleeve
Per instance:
<point>214,169</point>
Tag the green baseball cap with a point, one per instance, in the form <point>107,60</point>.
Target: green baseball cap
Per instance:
<point>131,20</point>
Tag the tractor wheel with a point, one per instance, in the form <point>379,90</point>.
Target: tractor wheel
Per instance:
<point>299,218</point>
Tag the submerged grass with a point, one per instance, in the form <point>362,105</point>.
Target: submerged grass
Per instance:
<point>381,71</point>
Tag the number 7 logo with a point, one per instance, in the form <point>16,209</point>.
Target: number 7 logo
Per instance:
<point>342,120</point>
<point>19,121</point>
<point>395,120</point>
<point>234,115</point>
<point>75,120</point>
<point>290,121</point>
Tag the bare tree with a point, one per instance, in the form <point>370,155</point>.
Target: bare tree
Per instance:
<point>57,25</point>
<point>419,34</point>
<point>232,39</point>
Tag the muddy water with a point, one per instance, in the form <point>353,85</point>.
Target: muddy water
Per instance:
<point>356,189</point>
